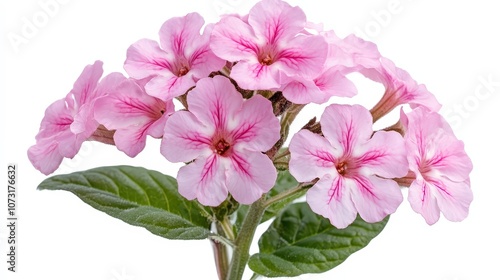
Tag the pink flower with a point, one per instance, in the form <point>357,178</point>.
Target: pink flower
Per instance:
<point>344,56</point>
<point>354,168</point>
<point>182,58</point>
<point>133,114</point>
<point>225,136</point>
<point>440,165</point>
<point>269,46</point>
<point>400,88</point>
<point>68,122</point>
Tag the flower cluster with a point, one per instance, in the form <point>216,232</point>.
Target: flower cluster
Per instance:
<point>242,81</point>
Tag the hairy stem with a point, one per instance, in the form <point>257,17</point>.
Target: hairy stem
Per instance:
<point>244,240</point>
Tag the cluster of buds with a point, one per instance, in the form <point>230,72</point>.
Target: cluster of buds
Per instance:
<point>241,83</point>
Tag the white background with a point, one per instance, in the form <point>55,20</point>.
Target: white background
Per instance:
<point>451,47</point>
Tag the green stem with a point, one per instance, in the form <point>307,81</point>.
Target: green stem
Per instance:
<point>244,240</point>
<point>283,195</point>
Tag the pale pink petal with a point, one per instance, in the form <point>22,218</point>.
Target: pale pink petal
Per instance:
<point>256,124</point>
<point>214,102</point>
<point>331,198</point>
<point>352,52</point>
<point>375,197</point>
<point>253,75</point>
<point>131,140</point>
<point>250,175</point>
<point>185,138</point>
<point>451,161</point>
<point>303,55</point>
<point>181,35</point>
<point>109,83</point>
<point>58,117</point>
<point>346,126</point>
<point>312,156</point>
<point>203,61</point>
<point>169,86</point>
<point>333,83</point>
<point>453,198</point>
<point>431,142</point>
<point>45,156</point>
<point>423,202</point>
<point>145,58</point>
<point>303,91</point>
<point>157,128</point>
<point>127,106</point>
<point>204,179</point>
<point>68,143</point>
<point>276,20</point>
<point>234,40</point>
<point>84,87</point>
<point>84,122</point>
<point>384,155</point>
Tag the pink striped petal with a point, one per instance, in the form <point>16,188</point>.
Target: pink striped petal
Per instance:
<point>276,20</point>
<point>250,175</point>
<point>169,86</point>
<point>331,198</point>
<point>145,58</point>
<point>375,197</point>
<point>180,36</point>
<point>84,87</point>
<point>256,127</point>
<point>253,75</point>
<point>45,156</point>
<point>423,201</point>
<point>304,56</point>
<point>234,40</point>
<point>214,101</point>
<point>346,126</point>
<point>204,179</point>
<point>453,198</point>
<point>384,155</point>
<point>185,138</point>
<point>312,156</point>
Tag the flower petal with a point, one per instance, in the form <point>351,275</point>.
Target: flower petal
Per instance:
<point>185,138</point>
<point>333,83</point>
<point>303,91</point>
<point>384,155</point>
<point>127,106</point>
<point>375,197</point>
<point>45,156</point>
<point>181,36</point>
<point>234,40</point>
<point>215,102</point>
<point>204,179</point>
<point>250,175</point>
<point>452,198</point>
<point>304,56</point>
<point>330,197</point>
<point>276,20</point>
<point>423,202</point>
<point>58,118</point>
<point>346,126</point>
<point>167,87</point>
<point>84,87</point>
<point>256,124</point>
<point>131,140</point>
<point>253,75</point>
<point>312,156</point>
<point>145,58</point>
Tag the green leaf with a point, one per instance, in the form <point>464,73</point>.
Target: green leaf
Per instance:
<point>300,241</point>
<point>136,196</point>
<point>284,182</point>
